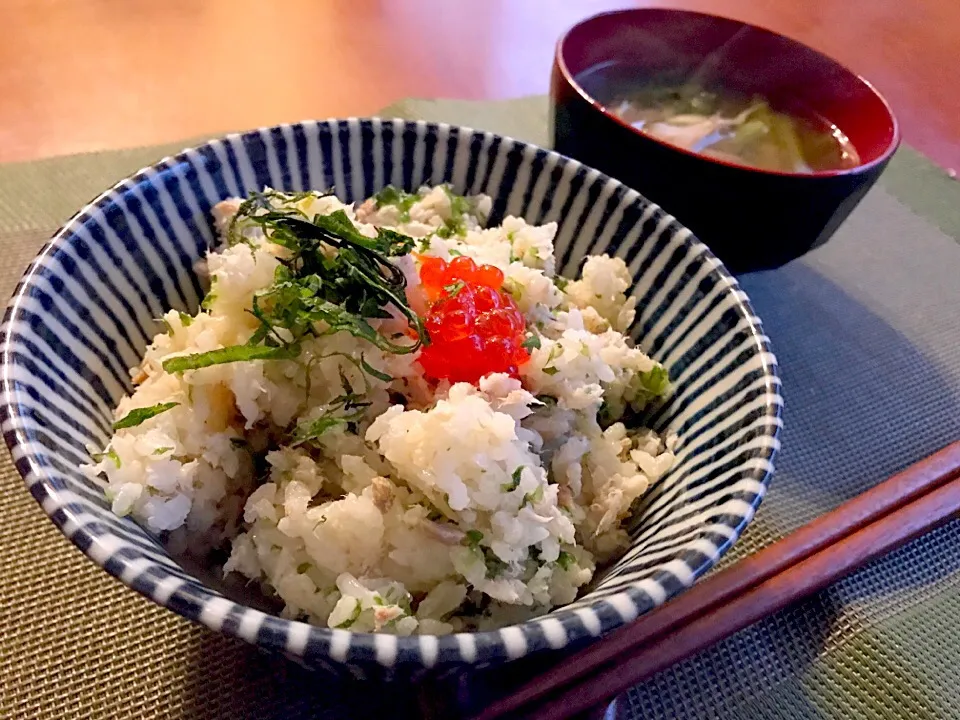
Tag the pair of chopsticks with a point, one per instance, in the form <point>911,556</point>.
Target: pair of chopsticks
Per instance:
<point>915,501</point>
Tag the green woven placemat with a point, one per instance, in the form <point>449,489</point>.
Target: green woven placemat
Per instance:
<point>77,644</point>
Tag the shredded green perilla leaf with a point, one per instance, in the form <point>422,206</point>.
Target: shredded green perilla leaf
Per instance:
<point>453,288</point>
<point>343,289</point>
<point>342,410</point>
<point>532,342</point>
<point>139,415</point>
<point>335,275</point>
<point>514,481</point>
<point>234,353</point>
<point>109,453</point>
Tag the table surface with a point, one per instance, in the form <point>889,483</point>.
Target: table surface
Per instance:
<point>86,75</point>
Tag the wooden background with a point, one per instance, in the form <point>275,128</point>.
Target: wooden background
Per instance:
<point>81,75</point>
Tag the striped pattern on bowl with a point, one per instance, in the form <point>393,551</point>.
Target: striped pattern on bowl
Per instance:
<point>85,310</point>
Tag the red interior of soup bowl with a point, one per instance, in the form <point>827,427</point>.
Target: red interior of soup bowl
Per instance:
<point>739,57</point>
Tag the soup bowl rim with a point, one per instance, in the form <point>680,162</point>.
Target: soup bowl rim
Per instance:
<point>862,167</point>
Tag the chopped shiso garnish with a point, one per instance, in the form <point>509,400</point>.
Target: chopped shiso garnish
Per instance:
<point>139,415</point>
<point>404,201</point>
<point>399,199</point>
<point>109,453</point>
<point>514,480</point>
<point>234,353</point>
<point>651,384</point>
<point>341,410</point>
<point>459,206</point>
<point>335,275</point>
<point>532,342</point>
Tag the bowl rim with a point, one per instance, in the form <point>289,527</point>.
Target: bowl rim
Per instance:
<point>388,651</point>
<point>880,160</point>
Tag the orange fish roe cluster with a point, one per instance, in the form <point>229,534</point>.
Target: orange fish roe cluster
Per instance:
<point>475,328</point>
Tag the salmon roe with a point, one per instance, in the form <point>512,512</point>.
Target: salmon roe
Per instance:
<point>475,328</point>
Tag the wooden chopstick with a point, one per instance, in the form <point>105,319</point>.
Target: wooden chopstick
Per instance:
<point>893,512</point>
<point>807,577</point>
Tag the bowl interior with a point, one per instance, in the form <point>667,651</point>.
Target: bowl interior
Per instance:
<point>675,46</point>
<point>85,311</point>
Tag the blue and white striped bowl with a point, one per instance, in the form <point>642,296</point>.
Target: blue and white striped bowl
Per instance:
<point>85,310</point>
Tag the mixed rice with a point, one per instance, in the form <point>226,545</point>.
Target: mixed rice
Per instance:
<point>305,438</point>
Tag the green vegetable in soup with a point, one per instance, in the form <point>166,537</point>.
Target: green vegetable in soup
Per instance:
<point>723,124</point>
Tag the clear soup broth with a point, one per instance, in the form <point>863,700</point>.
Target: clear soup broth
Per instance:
<point>719,123</point>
